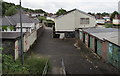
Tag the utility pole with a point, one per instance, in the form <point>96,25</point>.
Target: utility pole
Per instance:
<point>21,33</point>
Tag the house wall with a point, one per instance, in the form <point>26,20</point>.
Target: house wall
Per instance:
<point>65,23</point>
<point>100,21</point>
<point>27,27</point>
<point>79,15</point>
<point>37,26</point>
<point>71,21</point>
<point>116,21</point>
<point>23,29</point>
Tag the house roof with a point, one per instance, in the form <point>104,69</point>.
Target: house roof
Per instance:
<point>10,35</point>
<point>34,20</point>
<point>75,10</point>
<point>109,34</point>
<point>7,20</point>
<point>100,30</point>
<point>25,18</point>
<point>13,20</point>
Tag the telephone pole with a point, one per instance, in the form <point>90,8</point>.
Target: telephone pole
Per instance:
<point>21,33</point>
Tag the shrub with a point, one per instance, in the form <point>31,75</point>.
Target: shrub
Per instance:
<point>13,67</point>
<point>108,25</point>
<point>36,65</point>
<point>32,65</point>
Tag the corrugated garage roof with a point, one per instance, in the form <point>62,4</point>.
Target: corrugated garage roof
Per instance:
<point>109,34</point>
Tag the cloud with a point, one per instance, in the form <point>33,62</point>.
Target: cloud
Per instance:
<point>84,5</point>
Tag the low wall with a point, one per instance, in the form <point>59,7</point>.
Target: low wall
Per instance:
<point>40,31</point>
<point>30,38</point>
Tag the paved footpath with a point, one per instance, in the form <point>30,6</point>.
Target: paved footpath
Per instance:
<point>55,49</point>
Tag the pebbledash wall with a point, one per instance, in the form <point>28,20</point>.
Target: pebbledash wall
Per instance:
<point>106,49</point>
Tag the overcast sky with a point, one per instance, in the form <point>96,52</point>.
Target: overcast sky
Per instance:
<point>84,5</point>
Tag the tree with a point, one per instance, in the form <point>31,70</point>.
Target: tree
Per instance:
<point>93,14</point>
<point>61,12</point>
<point>113,15</point>
<point>39,11</point>
<point>105,14</point>
<point>5,6</point>
<point>11,11</point>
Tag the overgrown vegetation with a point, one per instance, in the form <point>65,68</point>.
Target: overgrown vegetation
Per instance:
<point>61,12</point>
<point>42,18</point>
<point>7,27</point>
<point>13,67</point>
<point>32,65</point>
<point>11,11</point>
<point>108,25</point>
<point>50,21</point>
<point>11,8</point>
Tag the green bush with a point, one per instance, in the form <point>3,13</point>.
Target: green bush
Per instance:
<point>108,25</point>
<point>32,65</point>
<point>36,65</point>
<point>13,67</point>
<point>116,24</point>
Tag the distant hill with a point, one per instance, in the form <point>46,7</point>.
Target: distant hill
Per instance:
<point>6,6</point>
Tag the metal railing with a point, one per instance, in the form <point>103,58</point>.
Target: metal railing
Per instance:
<point>45,69</point>
<point>63,68</point>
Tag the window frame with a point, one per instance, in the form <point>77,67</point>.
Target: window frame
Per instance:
<point>84,20</point>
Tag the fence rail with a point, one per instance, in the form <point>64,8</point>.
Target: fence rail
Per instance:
<point>63,68</point>
<point>45,69</point>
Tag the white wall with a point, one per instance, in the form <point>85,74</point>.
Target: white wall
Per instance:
<point>116,21</point>
<point>31,26</point>
<point>71,21</point>
<point>65,23</point>
<point>37,26</point>
<point>101,21</point>
<point>79,15</point>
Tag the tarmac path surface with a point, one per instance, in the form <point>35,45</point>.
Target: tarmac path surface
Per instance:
<point>56,49</point>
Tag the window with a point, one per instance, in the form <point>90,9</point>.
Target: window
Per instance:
<point>84,20</point>
<point>27,29</point>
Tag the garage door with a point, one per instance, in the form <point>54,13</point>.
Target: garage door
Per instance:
<point>99,48</point>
